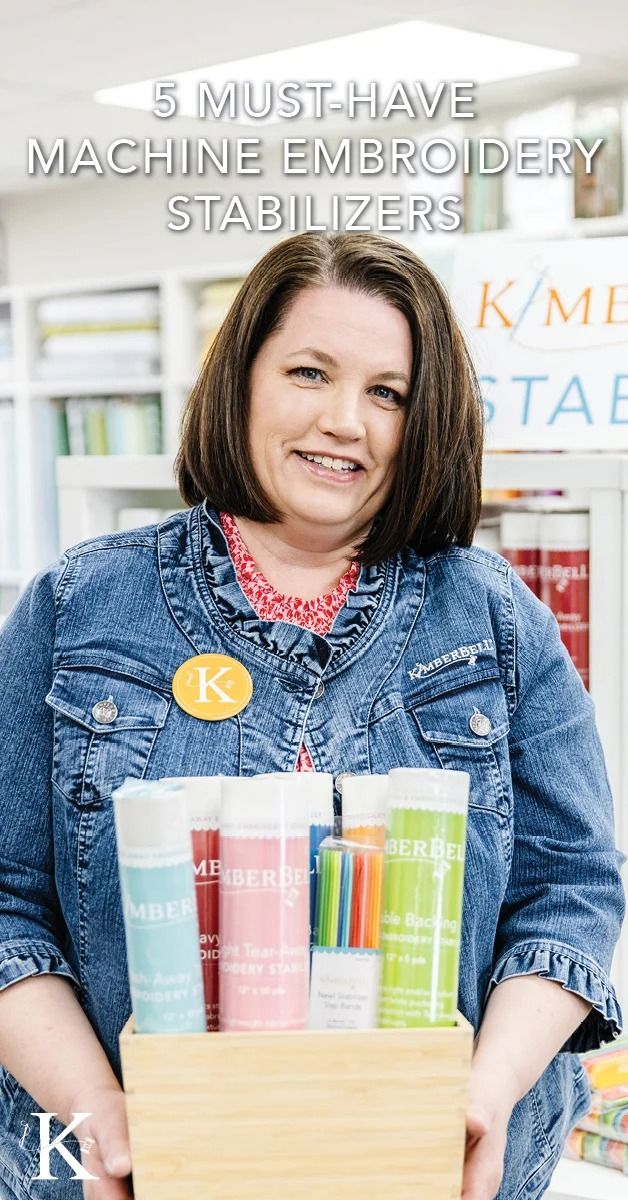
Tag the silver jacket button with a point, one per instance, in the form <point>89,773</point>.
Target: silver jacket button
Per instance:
<point>339,780</point>
<point>104,711</point>
<point>480,724</point>
<point>320,688</point>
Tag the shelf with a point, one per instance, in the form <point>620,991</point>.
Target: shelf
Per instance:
<point>585,1181</point>
<point>501,471</point>
<point>113,283</point>
<point>126,472</point>
<point>116,386</point>
<point>599,226</point>
<point>570,228</point>
<point>135,282</point>
<point>532,471</point>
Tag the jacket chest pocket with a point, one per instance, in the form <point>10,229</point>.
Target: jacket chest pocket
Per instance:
<point>467,729</point>
<point>105,725</point>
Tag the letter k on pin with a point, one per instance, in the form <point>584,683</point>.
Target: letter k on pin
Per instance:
<point>212,687</point>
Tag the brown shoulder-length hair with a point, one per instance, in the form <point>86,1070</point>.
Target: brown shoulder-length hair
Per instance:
<point>434,500</point>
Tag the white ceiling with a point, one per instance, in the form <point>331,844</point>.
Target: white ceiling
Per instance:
<point>55,53</point>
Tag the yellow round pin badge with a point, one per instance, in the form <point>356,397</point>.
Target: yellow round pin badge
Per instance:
<point>212,687</point>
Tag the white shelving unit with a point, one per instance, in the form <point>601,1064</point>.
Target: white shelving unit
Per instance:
<point>602,482</point>
<point>178,293</point>
<point>115,482</point>
<point>585,1181</point>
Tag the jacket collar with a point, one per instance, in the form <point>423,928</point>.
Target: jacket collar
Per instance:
<point>204,596</point>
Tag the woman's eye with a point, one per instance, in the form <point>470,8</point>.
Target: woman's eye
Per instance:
<point>310,373</point>
<point>389,394</point>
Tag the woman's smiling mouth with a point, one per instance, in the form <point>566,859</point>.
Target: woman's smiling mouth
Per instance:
<point>341,470</point>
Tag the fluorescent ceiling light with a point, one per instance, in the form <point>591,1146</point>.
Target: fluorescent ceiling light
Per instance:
<point>415,50</point>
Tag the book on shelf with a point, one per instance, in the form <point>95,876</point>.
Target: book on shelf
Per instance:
<point>62,441</point>
<point>108,425</point>
<point>76,434</point>
<point>106,366</point>
<point>104,334</point>
<point>95,423</point>
<point>83,425</point>
<point>214,302</point>
<point>135,342</point>
<point>483,202</point>
<point>600,193</point>
<point>101,308</point>
<point>45,434</point>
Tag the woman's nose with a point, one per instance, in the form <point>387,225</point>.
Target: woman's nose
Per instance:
<point>342,415</point>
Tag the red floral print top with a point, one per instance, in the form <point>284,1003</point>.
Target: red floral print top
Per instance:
<point>318,614</point>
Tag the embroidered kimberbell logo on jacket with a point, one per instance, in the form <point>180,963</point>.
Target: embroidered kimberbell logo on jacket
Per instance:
<point>468,654</point>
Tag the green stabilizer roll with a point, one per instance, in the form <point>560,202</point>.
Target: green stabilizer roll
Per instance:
<point>423,889</point>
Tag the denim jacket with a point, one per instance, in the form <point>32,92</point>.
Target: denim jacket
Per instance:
<point>422,646</point>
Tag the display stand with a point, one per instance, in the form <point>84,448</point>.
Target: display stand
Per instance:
<point>397,1100</point>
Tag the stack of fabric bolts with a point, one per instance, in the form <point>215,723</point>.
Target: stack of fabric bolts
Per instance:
<point>602,1135</point>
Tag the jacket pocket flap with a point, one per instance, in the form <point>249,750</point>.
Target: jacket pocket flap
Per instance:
<point>473,716</point>
<point>78,691</point>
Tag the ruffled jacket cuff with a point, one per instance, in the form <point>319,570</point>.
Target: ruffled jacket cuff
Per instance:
<point>21,959</point>
<point>577,973</point>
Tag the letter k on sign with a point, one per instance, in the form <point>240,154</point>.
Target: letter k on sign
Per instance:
<point>212,687</point>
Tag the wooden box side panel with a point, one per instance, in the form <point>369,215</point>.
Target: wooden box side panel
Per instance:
<point>271,1115</point>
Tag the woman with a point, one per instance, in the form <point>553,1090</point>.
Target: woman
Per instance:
<point>332,452</point>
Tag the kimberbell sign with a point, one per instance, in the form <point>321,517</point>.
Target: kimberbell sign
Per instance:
<point>548,327</point>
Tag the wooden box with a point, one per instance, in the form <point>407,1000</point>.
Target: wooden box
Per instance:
<point>298,1116</point>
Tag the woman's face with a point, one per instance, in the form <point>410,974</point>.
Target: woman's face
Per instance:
<point>326,409</point>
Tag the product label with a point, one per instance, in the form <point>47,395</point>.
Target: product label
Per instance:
<point>162,948</point>
<point>366,834</point>
<point>206,855</point>
<point>527,565</point>
<point>262,878</point>
<point>435,849</point>
<point>264,932</point>
<point>421,918</point>
<point>564,579</point>
<point>344,988</point>
<point>145,912</point>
